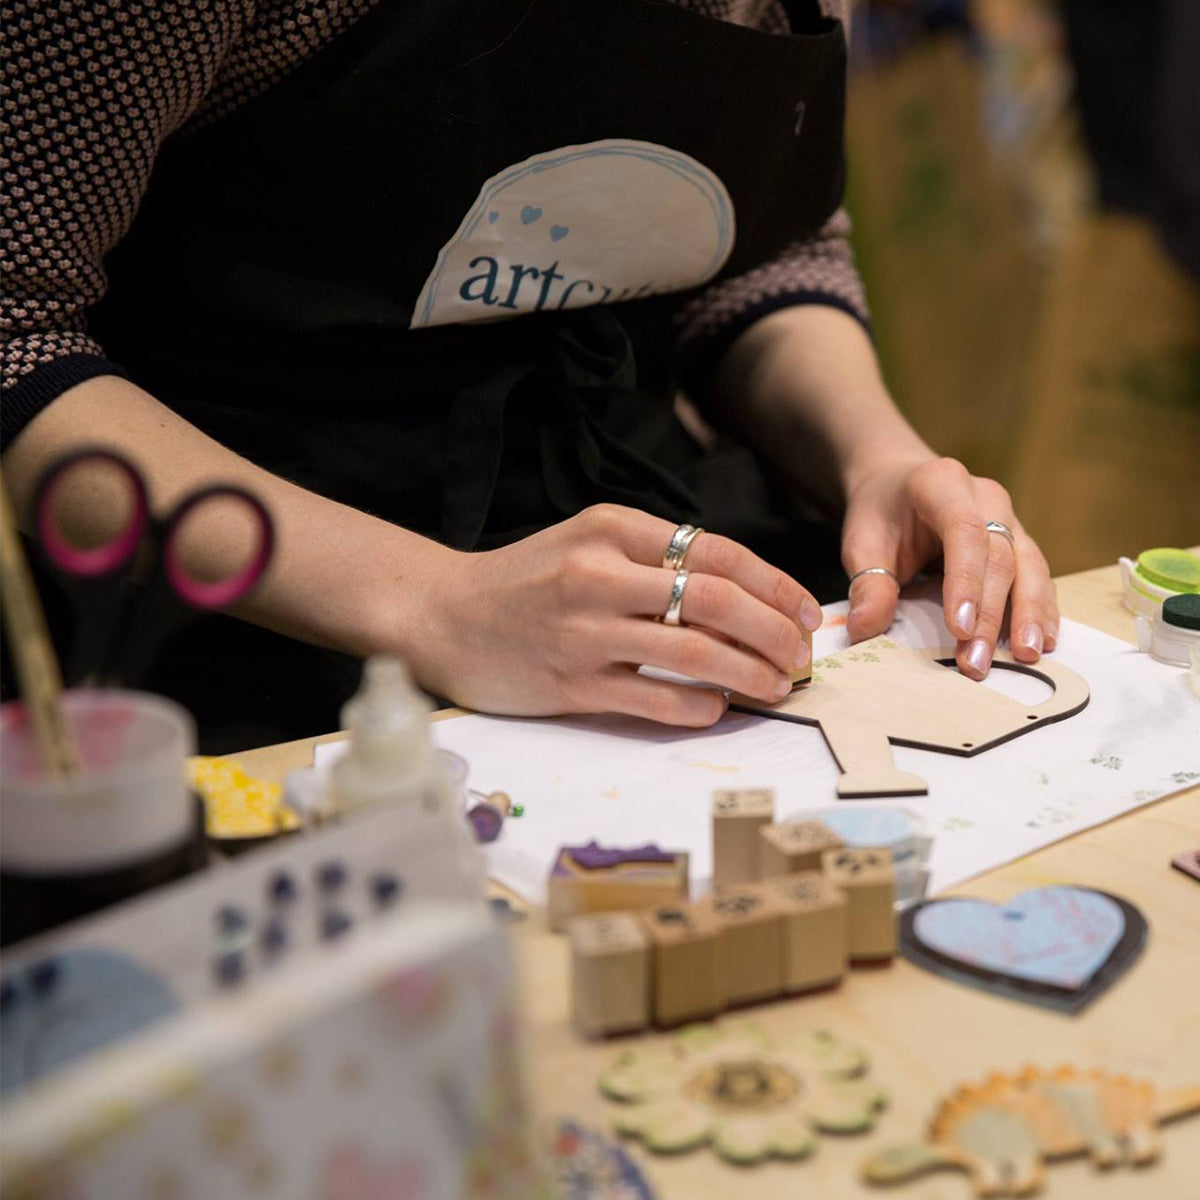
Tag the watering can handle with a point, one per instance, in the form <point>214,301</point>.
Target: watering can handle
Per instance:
<point>1071,692</point>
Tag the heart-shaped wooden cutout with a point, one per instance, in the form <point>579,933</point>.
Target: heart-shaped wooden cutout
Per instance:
<point>1056,946</point>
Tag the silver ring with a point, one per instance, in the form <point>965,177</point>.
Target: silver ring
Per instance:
<point>677,547</point>
<point>671,616</point>
<point>1003,530</point>
<point>872,571</point>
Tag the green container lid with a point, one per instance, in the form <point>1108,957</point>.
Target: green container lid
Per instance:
<point>1182,611</point>
<point>1175,570</point>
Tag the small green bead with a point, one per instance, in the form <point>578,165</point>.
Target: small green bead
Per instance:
<point>518,810</point>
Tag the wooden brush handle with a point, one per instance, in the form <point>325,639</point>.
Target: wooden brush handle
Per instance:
<point>33,655</point>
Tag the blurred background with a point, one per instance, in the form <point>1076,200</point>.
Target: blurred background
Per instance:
<point>1025,186</point>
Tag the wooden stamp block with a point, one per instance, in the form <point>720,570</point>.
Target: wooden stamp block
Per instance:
<point>751,923</point>
<point>610,974</point>
<point>688,974</point>
<point>737,816</point>
<point>815,927</point>
<point>794,846</point>
<point>867,878</point>
<point>594,878</point>
<point>803,677</point>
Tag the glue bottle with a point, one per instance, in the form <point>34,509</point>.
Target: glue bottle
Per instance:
<point>392,757</point>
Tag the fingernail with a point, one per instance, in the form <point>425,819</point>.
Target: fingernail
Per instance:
<point>1052,631</point>
<point>978,655</point>
<point>810,615</point>
<point>803,654</point>
<point>964,618</point>
<point>1031,637</point>
<point>782,687</point>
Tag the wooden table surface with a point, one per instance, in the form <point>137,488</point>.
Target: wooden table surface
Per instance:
<point>926,1034</point>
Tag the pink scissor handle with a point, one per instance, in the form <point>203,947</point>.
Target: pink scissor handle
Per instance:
<point>96,560</point>
<point>220,593</point>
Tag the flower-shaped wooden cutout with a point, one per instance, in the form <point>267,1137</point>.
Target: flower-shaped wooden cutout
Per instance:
<point>750,1096</point>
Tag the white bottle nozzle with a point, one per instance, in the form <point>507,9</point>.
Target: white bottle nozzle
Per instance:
<point>390,742</point>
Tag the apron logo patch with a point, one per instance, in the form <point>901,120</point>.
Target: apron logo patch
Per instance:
<point>593,224</point>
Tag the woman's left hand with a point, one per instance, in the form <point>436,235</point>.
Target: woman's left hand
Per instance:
<point>903,515</point>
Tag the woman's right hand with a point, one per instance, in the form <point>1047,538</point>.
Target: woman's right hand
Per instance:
<point>560,622</point>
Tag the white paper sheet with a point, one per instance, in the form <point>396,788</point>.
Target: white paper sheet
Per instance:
<point>624,781</point>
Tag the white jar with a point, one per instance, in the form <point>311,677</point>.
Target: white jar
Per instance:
<point>1175,631</point>
<point>1157,574</point>
<point>128,802</point>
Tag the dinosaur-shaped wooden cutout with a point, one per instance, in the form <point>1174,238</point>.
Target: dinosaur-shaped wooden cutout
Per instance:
<point>1004,1130</point>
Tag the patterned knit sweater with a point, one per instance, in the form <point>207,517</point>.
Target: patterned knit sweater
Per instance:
<point>90,90</point>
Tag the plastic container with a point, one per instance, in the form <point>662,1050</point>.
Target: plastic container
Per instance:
<point>1157,574</point>
<point>883,827</point>
<point>1174,632</point>
<point>129,800</point>
<point>306,790</point>
<point>126,822</point>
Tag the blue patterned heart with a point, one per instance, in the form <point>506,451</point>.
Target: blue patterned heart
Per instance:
<point>529,214</point>
<point>1056,945</point>
<point>1058,935</point>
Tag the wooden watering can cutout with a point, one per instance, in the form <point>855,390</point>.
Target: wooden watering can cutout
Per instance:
<point>877,693</point>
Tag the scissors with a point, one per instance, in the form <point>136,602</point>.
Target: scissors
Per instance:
<point>133,590</point>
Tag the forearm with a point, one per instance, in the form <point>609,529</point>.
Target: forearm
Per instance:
<point>803,388</point>
<point>339,578</point>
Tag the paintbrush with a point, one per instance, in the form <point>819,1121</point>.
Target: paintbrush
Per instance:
<point>37,668</point>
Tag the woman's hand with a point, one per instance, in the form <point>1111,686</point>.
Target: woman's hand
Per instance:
<point>903,514</point>
<point>803,387</point>
<point>560,621</point>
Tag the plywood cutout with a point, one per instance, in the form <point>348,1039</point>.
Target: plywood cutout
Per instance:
<point>751,1096</point>
<point>1003,1131</point>
<point>878,694</point>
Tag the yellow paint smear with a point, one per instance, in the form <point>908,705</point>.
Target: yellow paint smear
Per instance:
<point>237,804</point>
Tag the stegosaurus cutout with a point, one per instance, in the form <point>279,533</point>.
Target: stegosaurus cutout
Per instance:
<point>1002,1131</point>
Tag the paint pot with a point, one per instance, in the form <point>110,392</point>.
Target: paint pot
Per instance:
<point>126,822</point>
<point>1174,632</point>
<point>1157,574</point>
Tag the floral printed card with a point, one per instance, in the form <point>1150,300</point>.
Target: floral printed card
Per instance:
<point>388,1069</point>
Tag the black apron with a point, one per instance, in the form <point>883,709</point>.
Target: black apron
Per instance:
<point>267,288</point>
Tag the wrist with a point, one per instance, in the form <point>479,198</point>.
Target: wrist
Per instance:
<point>404,609</point>
<point>807,388</point>
<point>896,447</point>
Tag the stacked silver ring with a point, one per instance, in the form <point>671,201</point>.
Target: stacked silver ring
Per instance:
<point>677,547</point>
<point>671,616</point>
